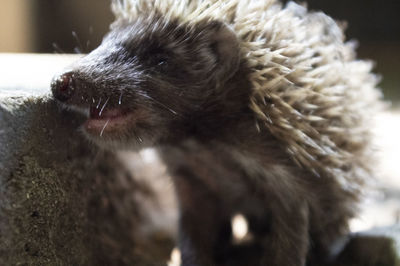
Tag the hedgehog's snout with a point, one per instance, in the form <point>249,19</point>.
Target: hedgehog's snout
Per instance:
<point>63,86</point>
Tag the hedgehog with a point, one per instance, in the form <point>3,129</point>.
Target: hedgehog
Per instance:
<point>257,108</point>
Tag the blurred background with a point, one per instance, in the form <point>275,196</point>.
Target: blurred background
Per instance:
<point>68,26</point>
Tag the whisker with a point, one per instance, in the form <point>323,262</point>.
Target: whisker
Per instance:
<point>120,98</point>
<point>104,106</point>
<point>57,48</point>
<point>139,139</point>
<point>105,125</point>
<point>88,43</point>
<point>160,103</point>
<point>78,49</point>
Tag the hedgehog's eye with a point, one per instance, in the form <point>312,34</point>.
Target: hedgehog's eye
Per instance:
<point>158,58</point>
<point>161,60</point>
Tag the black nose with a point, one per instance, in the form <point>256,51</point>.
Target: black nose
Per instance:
<point>62,86</point>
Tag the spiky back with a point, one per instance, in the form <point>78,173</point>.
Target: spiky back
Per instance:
<point>308,89</point>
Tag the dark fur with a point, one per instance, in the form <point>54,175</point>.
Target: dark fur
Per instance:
<point>189,89</point>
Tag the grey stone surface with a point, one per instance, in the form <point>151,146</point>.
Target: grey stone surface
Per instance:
<point>63,201</point>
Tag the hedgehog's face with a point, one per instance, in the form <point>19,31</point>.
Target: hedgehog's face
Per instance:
<point>147,78</point>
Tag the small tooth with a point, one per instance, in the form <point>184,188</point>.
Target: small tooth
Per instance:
<point>97,107</point>
<point>120,98</point>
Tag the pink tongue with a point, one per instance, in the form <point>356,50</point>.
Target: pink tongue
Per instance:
<point>97,113</point>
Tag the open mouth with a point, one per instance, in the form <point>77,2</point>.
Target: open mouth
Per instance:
<point>101,121</point>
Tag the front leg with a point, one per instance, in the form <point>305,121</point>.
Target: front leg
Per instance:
<point>202,181</point>
<point>204,226</point>
<point>288,239</point>
<point>277,210</point>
